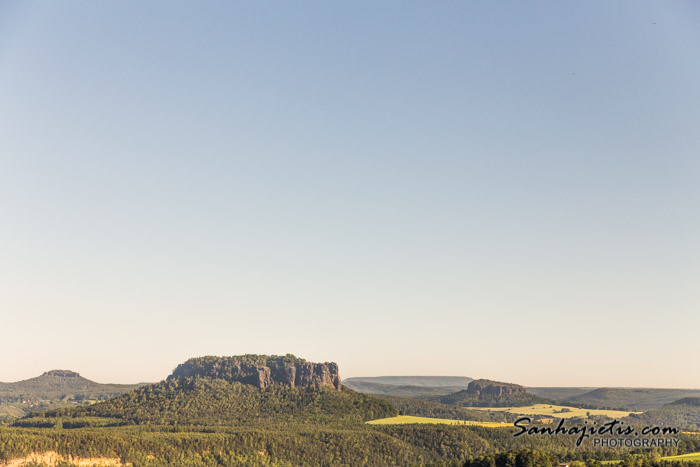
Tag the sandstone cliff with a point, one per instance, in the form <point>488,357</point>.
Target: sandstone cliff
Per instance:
<point>493,388</point>
<point>262,370</point>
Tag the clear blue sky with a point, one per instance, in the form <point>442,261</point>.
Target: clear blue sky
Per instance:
<point>507,190</point>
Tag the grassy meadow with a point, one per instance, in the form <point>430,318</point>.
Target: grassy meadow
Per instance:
<point>410,419</point>
<point>556,411</point>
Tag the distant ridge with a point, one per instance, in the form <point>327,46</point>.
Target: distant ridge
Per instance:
<point>54,388</point>
<point>683,413</point>
<point>59,383</point>
<point>431,381</point>
<point>419,387</point>
<point>636,399</point>
<point>558,393</point>
<point>418,392</point>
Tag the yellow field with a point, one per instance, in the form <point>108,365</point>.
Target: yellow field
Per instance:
<point>406,419</point>
<point>693,456</point>
<point>554,411</point>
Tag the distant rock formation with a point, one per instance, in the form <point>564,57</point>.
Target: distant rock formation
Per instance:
<point>262,370</point>
<point>61,373</point>
<point>493,388</point>
<point>487,393</point>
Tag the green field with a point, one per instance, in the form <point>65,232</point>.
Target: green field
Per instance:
<point>10,410</point>
<point>556,411</point>
<point>409,419</point>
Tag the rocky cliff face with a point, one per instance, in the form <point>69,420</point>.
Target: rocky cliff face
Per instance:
<point>493,388</point>
<point>262,370</point>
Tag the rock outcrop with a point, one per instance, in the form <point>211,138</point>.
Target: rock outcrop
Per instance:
<point>262,370</point>
<point>487,393</point>
<point>493,388</point>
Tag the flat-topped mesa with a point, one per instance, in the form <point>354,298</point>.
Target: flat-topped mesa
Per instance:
<point>262,370</point>
<point>493,388</point>
<point>61,373</point>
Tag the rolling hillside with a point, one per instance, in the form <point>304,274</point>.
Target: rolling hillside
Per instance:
<point>683,413</point>
<point>55,388</point>
<point>558,393</point>
<point>635,399</point>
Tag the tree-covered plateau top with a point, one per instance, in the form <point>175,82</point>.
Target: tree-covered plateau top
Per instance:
<point>261,370</point>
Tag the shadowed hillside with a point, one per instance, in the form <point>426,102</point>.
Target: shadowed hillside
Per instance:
<point>558,393</point>
<point>636,399</point>
<point>683,413</point>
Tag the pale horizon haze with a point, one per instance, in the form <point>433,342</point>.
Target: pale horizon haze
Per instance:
<point>502,190</point>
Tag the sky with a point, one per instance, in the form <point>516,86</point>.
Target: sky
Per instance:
<point>502,190</point>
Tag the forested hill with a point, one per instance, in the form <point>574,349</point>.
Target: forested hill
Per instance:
<point>227,390</point>
<point>558,393</point>
<point>683,413</point>
<point>57,384</point>
<point>55,388</point>
<point>486,393</point>
<point>636,399</point>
